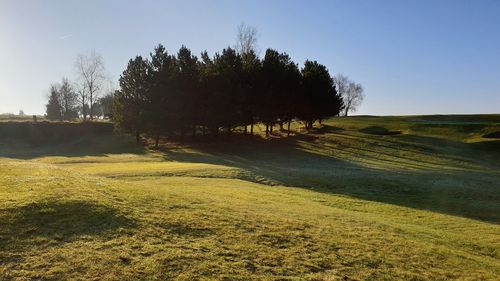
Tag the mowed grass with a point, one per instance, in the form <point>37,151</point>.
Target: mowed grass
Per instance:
<point>381,198</point>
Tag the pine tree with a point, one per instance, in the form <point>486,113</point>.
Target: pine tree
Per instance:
<point>132,100</point>
<point>54,108</point>
<point>319,96</point>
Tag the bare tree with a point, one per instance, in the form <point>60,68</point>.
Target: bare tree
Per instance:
<point>83,98</point>
<point>341,84</point>
<point>91,71</point>
<point>246,40</point>
<point>353,97</point>
<point>351,93</point>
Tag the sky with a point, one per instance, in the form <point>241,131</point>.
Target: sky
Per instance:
<point>411,56</point>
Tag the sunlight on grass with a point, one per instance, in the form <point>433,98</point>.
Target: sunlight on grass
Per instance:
<point>337,203</point>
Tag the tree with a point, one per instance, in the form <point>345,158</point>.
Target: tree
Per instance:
<point>353,97</point>
<point>91,71</point>
<point>208,77</point>
<point>320,98</point>
<point>68,100</point>
<point>227,91</point>
<point>351,93</point>
<point>160,113</point>
<point>82,98</point>
<point>62,104</point>
<point>246,39</point>
<point>169,94</point>
<point>53,108</point>
<point>21,113</point>
<point>281,78</point>
<point>131,100</point>
<point>341,83</point>
<point>246,47</point>
<point>187,84</point>
<point>106,104</point>
<point>252,86</point>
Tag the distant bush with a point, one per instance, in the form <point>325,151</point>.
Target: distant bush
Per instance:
<point>377,130</point>
<point>42,132</point>
<point>494,135</point>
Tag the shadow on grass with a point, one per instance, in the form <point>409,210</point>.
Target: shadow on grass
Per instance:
<point>494,135</point>
<point>92,146</point>
<point>285,161</point>
<point>377,130</point>
<point>57,222</point>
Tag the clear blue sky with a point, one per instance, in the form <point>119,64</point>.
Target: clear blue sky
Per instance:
<point>412,56</point>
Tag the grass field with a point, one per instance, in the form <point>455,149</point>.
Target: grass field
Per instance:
<point>362,198</point>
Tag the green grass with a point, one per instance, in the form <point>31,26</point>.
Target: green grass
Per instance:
<point>349,201</point>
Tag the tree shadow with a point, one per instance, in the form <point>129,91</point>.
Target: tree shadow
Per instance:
<point>493,135</point>
<point>59,222</point>
<point>287,162</point>
<point>312,161</point>
<point>91,146</point>
<point>378,130</point>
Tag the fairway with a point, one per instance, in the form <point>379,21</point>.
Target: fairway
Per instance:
<point>359,198</point>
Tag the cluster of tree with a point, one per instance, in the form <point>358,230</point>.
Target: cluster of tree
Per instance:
<point>65,103</point>
<point>81,99</point>
<point>172,94</point>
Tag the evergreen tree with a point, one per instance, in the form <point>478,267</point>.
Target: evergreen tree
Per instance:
<point>171,94</point>
<point>319,96</point>
<point>226,90</point>
<point>281,85</point>
<point>187,83</point>
<point>207,105</point>
<point>106,104</point>
<point>162,113</point>
<point>132,100</point>
<point>252,85</point>
<point>54,109</point>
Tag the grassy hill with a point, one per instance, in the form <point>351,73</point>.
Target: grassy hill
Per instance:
<point>391,198</point>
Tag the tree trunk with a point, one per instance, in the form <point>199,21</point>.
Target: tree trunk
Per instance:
<point>267,130</point>
<point>251,129</point>
<point>84,111</point>
<point>137,136</point>
<point>157,140</point>
<point>281,125</point>
<point>271,128</point>
<point>245,130</point>
<point>288,129</point>
<point>91,105</point>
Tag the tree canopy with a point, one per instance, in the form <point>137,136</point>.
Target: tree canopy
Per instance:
<point>174,94</point>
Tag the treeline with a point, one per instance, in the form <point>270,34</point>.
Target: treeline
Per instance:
<point>65,103</point>
<point>52,132</point>
<point>81,98</point>
<point>181,94</point>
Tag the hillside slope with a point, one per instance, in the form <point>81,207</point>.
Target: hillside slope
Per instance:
<point>363,198</point>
